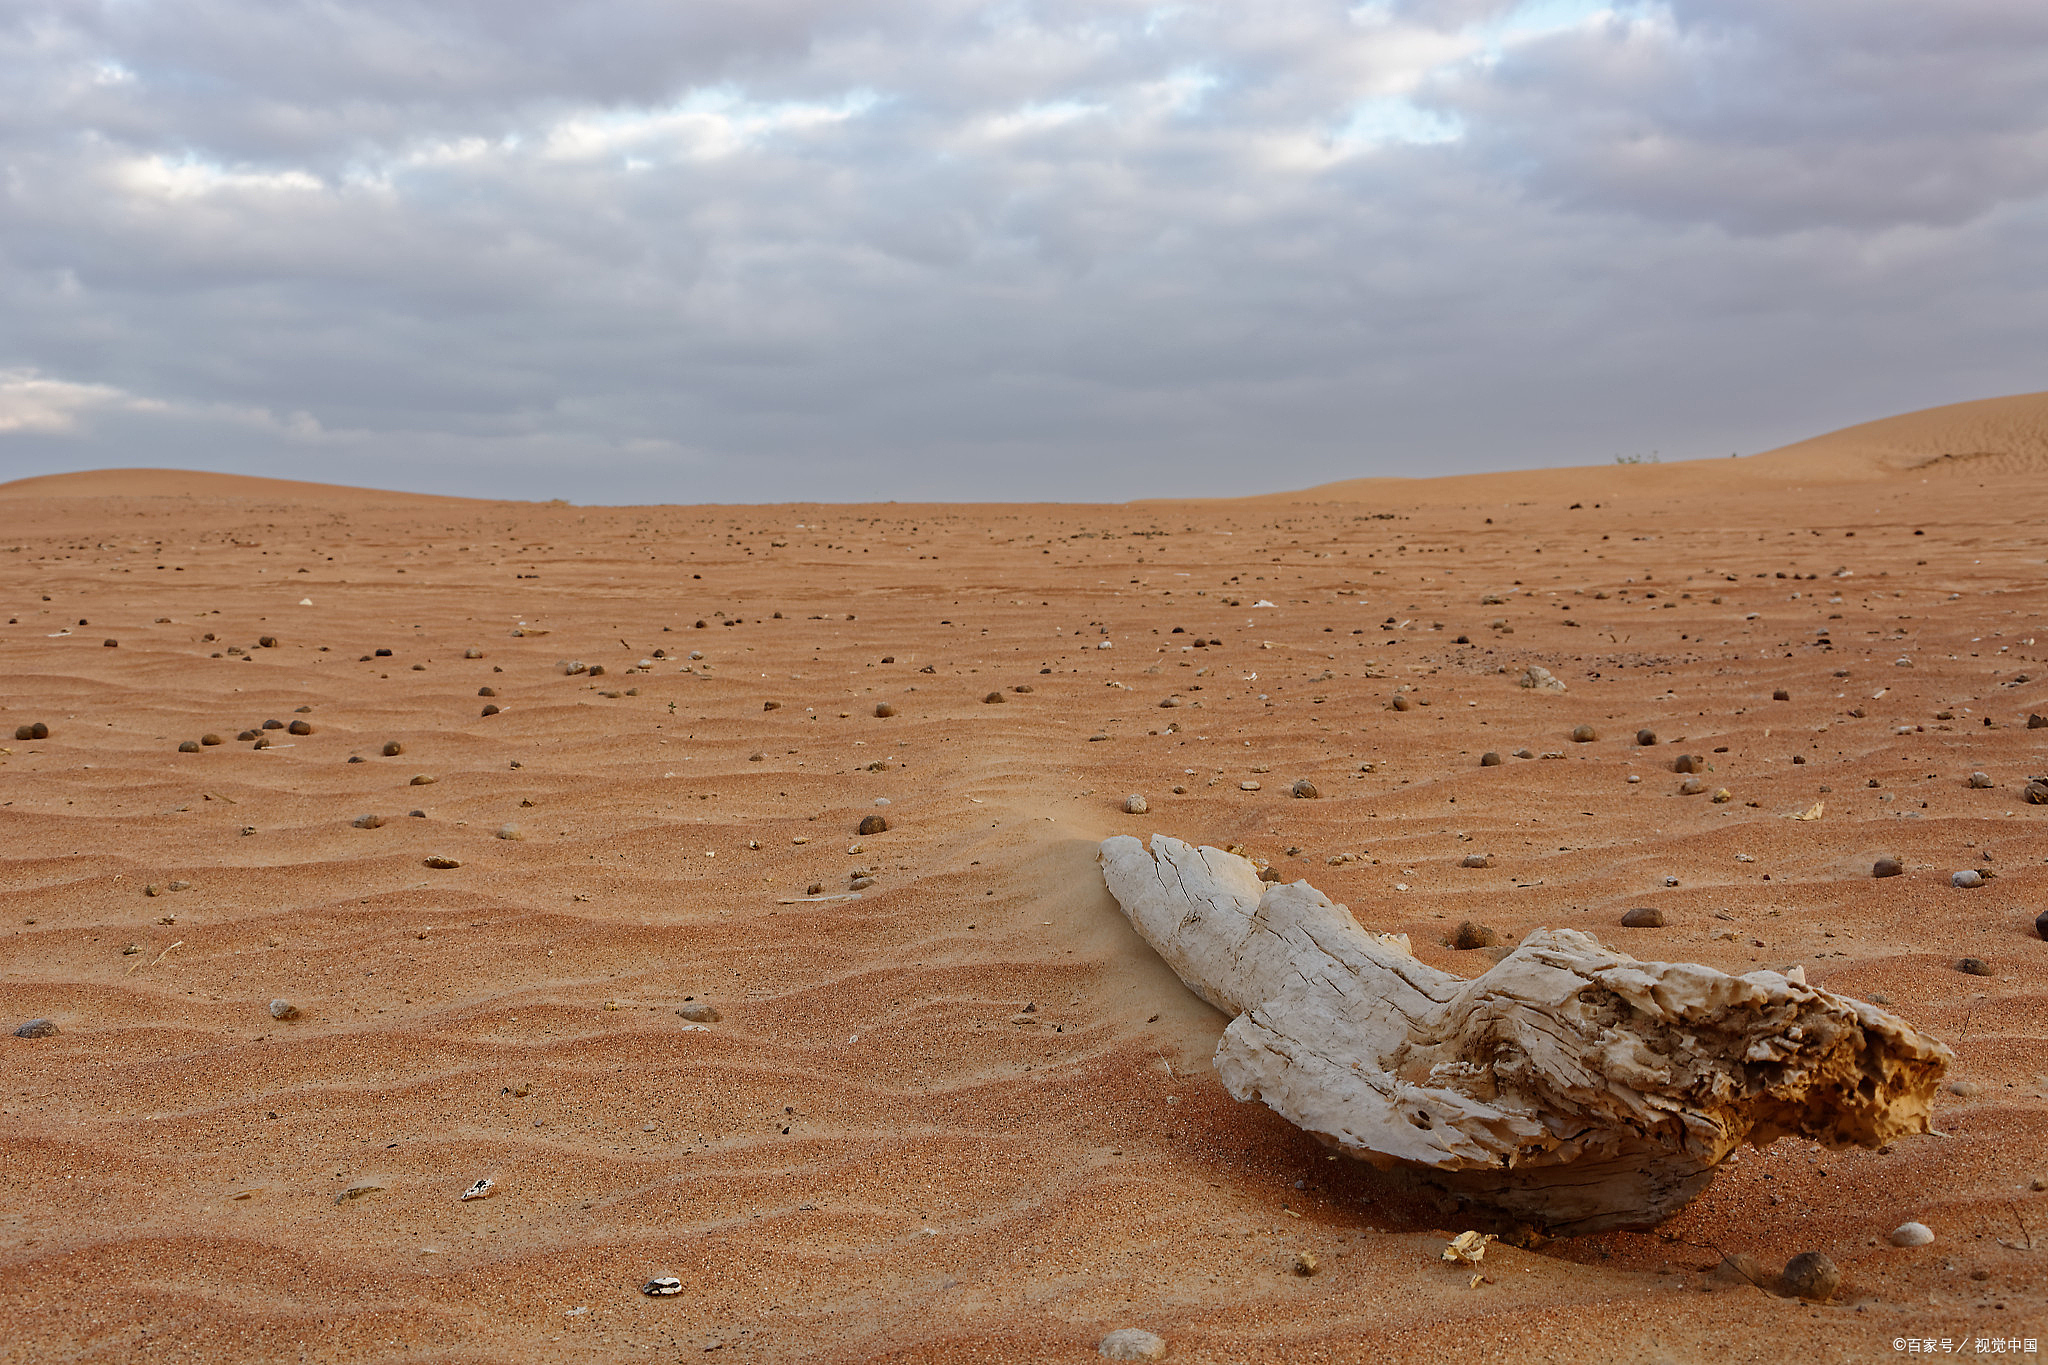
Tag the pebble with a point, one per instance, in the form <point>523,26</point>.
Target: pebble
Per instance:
<point>1781,695</point>
<point>423,780</point>
<point>472,653</point>
<point>860,883</point>
<point>248,735</point>
<point>1248,786</point>
<point>1974,966</point>
<point>35,731</point>
<point>1474,935</point>
<point>190,746</point>
<point>1542,679</point>
<point>442,862</point>
<point>392,748</point>
<point>2041,924</point>
<point>1132,1343</point>
<point>1887,867</point>
<point>283,1010</point>
<point>1304,1264</point>
<point>1643,917</point>
<point>1584,734</point>
<point>273,724</point>
<point>487,691</point>
<point>1912,1235</point>
<point>111,644</point>
<point>491,708</point>
<point>480,1190</point>
<point>883,710</point>
<point>1646,738</point>
<point>211,740</point>
<point>994,698</point>
<point>512,832</point>
<point>1401,703</point>
<point>873,824</point>
<point>771,706</point>
<point>1688,763</point>
<point>1722,796</point>
<point>661,1286</point>
<point>1968,879</point>
<point>1980,780</point>
<point>369,822</point>
<point>1304,790</point>
<point>2035,793</point>
<point>37,1028</point>
<point>1963,1089</point>
<point>1812,1276</point>
<point>1489,759</point>
<point>1692,786</point>
<point>1523,753</point>
<point>1135,804</point>
<point>299,727</point>
<point>699,1012</point>
<point>267,642</point>
<point>1476,860</point>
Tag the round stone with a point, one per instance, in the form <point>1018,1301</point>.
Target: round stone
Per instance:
<point>1980,780</point>
<point>512,832</point>
<point>1474,935</point>
<point>883,710</point>
<point>1584,734</point>
<point>1646,738</point>
<point>190,746</point>
<point>1912,1235</point>
<point>1134,804</point>
<point>1643,917</point>
<point>873,824</point>
<point>1692,786</point>
<point>1489,759</point>
<point>423,780</point>
<point>1968,879</point>
<point>1689,763</point>
<point>1887,867</point>
<point>299,727</point>
<point>392,748</point>
<point>1401,703</point>
<point>211,740</point>
<point>1812,1276</point>
<point>1132,1343</point>
<point>369,822</point>
<point>994,699</point>
<point>1304,790</point>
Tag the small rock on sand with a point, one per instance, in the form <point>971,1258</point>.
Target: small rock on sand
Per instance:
<point>36,731</point>
<point>211,740</point>
<point>392,748</point>
<point>1134,804</point>
<point>1476,860</point>
<point>190,746</point>
<point>299,727</point>
<point>1304,790</point>
<point>883,710</point>
<point>1887,867</point>
<point>2035,793</point>
<point>662,1286</point>
<point>1781,695</point>
<point>1980,780</point>
<point>994,699</point>
<point>1688,763</point>
<point>1646,738</point>
<point>1643,917</point>
<point>424,780</point>
<point>1810,1275</point>
<point>873,824</point>
<point>1968,879</point>
<point>37,1028</point>
<point>2035,722</point>
<point>1974,966</point>
<point>368,822</point>
<point>1584,734</point>
<point>1489,759</point>
<point>1401,703</point>
<point>442,862</point>
<point>1541,679</point>
<point>283,1010</point>
<point>510,832</point>
<point>1692,786</point>
<point>2041,924</point>
<point>1132,1343</point>
<point>1304,1264</point>
<point>700,1012</point>
<point>1912,1235</point>
<point>1474,935</point>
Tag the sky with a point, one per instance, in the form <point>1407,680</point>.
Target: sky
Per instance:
<point>791,250</point>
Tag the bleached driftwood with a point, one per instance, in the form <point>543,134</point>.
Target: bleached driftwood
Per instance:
<point>1571,1086</point>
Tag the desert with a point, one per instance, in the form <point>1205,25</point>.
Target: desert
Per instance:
<point>720,883</point>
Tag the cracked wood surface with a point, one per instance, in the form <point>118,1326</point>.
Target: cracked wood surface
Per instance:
<point>1571,1085</point>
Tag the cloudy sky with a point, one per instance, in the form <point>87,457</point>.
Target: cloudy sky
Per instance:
<point>751,250</point>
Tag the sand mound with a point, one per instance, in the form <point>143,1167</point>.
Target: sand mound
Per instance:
<point>2006,435</point>
<point>200,484</point>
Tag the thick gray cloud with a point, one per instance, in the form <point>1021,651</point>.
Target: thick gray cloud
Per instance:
<point>624,250</point>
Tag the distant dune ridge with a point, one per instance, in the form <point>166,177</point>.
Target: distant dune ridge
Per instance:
<point>1990,435</point>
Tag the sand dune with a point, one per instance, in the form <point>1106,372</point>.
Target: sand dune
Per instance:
<point>968,1115</point>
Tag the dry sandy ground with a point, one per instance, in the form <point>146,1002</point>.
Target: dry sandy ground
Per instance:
<point>881,1150</point>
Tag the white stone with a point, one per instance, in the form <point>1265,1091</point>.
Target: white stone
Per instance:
<point>1912,1235</point>
<point>1132,1343</point>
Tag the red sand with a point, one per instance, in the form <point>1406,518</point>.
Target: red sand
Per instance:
<point>876,1153</point>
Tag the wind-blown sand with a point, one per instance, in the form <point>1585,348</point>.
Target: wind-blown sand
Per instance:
<point>969,1115</point>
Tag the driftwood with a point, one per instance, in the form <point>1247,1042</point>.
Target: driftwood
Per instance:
<point>1571,1086</point>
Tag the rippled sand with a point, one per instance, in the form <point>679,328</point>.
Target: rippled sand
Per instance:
<point>966,1116</point>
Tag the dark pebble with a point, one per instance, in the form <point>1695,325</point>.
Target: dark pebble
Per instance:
<point>815,889</point>
<point>487,691</point>
<point>1643,917</point>
<point>273,725</point>
<point>111,644</point>
<point>888,658</point>
<point>2035,722</point>
<point>1401,702</point>
<point>423,780</point>
<point>993,698</point>
<point>1811,1276</point>
<point>883,710</point>
<point>1584,734</point>
<point>37,1028</point>
<point>383,653</point>
<point>2041,924</point>
<point>491,708</point>
<point>771,706</point>
<point>268,642</point>
<point>1781,695</point>
<point>1471,935</point>
<point>36,731</point>
<point>210,740</point>
<point>874,824</point>
<point>1974,966</point>
<point>1688,763</point>
<point>299,727</point>
<point>701,1012</point>
<point>597,670</point>
<point>190,746</point>
<point>392,748</point>
<point>1489,759</point>
<point>1887,867</point>
<point>1646,738</point>
<point>247,735</point>
<point>1024,689</point>
<point>2035,793</point>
